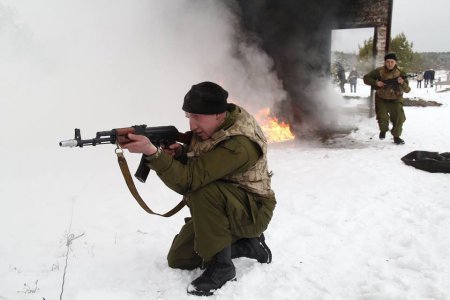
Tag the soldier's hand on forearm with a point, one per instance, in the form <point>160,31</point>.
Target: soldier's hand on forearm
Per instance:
<point>400,80</point>
<point>380,83</point>
<point>174,150</point>
<point>139,144</point>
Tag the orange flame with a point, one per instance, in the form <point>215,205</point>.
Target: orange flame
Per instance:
<point>274,130</point>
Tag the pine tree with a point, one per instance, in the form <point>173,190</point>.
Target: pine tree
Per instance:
<point>365,56</point>
<point>403,49</point>
<point>366,50</point>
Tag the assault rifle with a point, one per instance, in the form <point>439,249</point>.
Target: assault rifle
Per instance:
<point>160,136</point>
<point>393,83</point>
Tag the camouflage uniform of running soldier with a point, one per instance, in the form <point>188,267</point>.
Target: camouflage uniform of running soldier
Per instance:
<point>224,178</point>
<point>390,83</point>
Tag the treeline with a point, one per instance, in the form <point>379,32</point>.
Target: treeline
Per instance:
<point>408,59</point>
<point>435,60</point>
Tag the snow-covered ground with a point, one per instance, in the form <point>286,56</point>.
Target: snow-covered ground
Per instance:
<point>352,221</point>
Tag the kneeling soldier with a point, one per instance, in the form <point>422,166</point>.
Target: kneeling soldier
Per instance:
<point>224,178</point>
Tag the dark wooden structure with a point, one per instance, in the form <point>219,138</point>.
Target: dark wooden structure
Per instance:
<point>376,14</point>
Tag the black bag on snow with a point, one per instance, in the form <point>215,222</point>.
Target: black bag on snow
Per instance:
<point>428,161</point>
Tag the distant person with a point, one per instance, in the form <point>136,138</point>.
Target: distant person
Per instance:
<point>419,79</point>
<point>352,78</point>
<point>340,74</point>
<point>426,79</point>
<point>389,83</point>
<point>432,73</point>
<point>428,76</point>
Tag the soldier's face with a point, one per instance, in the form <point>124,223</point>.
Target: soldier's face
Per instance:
<point>390,64</point>
<point>204,125</point>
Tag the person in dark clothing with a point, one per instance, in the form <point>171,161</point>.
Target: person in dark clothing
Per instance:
<point>432,73</point>
<point>352,78</point>
<point>340,73</point>
<point>428,76</point>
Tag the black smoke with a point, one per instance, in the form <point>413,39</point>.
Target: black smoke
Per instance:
<point>296,34</point>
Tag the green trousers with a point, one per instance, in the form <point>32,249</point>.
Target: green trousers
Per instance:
<point>221,213</point>
<point>390,110</point>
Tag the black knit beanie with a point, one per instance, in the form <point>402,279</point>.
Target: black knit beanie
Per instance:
<point>390,56</point>
<point>206,98</point>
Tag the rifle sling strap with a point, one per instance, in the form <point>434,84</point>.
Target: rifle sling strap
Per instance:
<point>133,190</point>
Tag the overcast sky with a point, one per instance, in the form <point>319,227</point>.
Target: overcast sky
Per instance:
<point>426,23</point>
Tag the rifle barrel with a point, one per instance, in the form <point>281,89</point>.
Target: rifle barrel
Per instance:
<point>90,142</point>
<point>68,143</point>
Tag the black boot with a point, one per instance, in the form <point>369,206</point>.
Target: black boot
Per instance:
<point>382,135</point>
<point>255,248</point>
<point>217,273</point>
<point>398,141</point>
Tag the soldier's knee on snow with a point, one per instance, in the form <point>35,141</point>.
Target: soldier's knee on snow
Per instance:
<point>184,264</point>
<point>173,262</point>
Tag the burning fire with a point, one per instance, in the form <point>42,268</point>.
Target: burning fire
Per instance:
<point>274,130</point>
